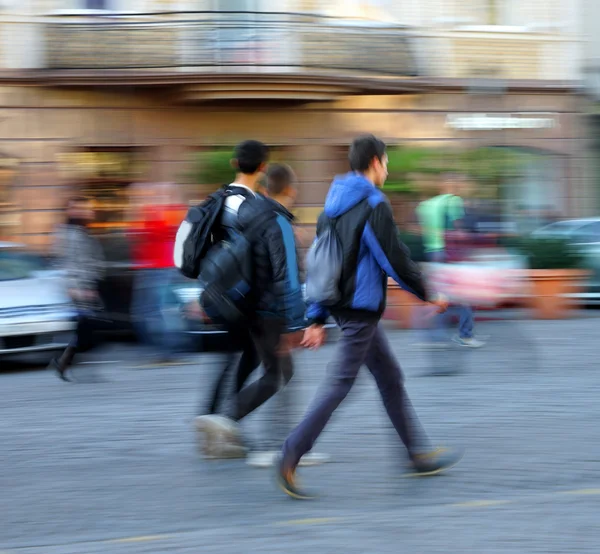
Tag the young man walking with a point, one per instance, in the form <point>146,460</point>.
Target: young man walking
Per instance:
<point>275,298</point>
<point>438,215</point>
<point>281,189</point>
<point>372,251</point>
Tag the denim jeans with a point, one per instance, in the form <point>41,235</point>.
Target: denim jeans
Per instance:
<point>438,328</point>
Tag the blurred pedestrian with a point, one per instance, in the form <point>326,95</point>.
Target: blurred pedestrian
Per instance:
<point>273,306</point>
<point>363,222</point>
<point>153,301</point>
<point>281,189</point>
<point>445,238</point>
<point>80,256</point>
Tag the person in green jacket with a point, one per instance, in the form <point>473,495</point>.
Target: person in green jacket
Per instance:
<point>438,215</point>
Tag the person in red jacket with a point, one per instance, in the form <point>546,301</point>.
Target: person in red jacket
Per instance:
<point>154,236</point>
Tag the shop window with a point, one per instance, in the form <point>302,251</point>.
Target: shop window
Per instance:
<point>106,176</point>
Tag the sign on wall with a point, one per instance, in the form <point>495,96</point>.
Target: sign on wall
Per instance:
<point>501,121</point>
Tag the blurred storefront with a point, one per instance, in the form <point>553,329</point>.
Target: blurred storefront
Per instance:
<point>133,99</point>
<point>99,143</point>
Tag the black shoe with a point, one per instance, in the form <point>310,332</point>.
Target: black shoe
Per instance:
<point>434,462</point>
<point>60,371</point>
<point>286,480</point>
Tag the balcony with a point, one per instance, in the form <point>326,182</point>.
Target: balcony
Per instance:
<point>492,54</point>
<point>219,42</point>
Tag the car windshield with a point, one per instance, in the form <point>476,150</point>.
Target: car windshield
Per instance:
<point>16,264</point>
<point>559,229</point>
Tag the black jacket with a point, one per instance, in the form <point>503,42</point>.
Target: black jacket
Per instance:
<point>372,250</point>
<point>276,288</point>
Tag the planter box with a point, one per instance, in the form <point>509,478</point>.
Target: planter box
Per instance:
<point>551,290</point>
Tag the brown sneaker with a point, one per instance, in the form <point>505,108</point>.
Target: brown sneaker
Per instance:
<point>286,480</point>
<point>434,462</point>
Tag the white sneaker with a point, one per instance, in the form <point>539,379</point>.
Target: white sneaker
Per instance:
<point>224,450</point>
<point>314,459</point>
<point>471,342</point>
<point>217,425</point>
<point>268,459</point>
<point>219,437</point>
<point>262,459</point>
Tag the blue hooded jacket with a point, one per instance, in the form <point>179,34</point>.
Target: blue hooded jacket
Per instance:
<point>372,249</point>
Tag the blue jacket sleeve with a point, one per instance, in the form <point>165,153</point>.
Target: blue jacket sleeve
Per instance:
<point>286,276</point>
<point>317,314</point>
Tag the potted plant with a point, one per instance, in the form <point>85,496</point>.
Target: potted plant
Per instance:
<point>554,272</point>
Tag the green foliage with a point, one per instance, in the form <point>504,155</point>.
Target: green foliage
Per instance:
<point>404,162</point>
<point>546,253</point>
<point>212,168</point>
<point>488,167</point>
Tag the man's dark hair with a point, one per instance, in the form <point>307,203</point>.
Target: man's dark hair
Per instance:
<point>250,155</point>
<point>279,177</point>
<point>363,150</point>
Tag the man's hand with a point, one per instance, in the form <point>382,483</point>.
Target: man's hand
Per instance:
<point>289,342</point>
<point>314,337</point>
<point>441,303</point>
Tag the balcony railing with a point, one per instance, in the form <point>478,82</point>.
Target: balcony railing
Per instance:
<point>227,41</point>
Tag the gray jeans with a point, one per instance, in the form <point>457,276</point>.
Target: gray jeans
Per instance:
<point>362,343</point>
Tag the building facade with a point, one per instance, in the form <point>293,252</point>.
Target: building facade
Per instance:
<point>101,94</point>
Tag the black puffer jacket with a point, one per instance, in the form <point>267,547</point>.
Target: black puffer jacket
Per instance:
<point>276,288</point>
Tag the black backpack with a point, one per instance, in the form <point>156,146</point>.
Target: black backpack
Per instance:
<point>194,236</point>
<point>226,274</point>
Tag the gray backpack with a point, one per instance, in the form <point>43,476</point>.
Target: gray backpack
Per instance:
<point>324,263</point>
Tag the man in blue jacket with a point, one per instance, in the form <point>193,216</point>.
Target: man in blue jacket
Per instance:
<point>372,251</point>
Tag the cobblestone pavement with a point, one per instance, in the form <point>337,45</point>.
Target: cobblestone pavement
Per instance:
<point>112,466</point>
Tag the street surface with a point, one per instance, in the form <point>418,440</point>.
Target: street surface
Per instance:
<point>110,465</point>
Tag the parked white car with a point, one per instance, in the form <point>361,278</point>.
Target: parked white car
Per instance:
<point>36,314</point>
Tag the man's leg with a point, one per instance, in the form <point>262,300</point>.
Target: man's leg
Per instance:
<point>390,381</point>
<point>465,322</point>
<point>266,335</point>
<point>277,419</point>
<point>465,335</point>
<point>437,330</point>
<point>248,361</point>
<point>351,353</point>
<point>214,435</point>
<point>384,367</point>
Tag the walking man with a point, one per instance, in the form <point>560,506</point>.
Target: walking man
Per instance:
<point>274,305</point>
<point>438,215</point>
<point>80,256</point>
<point>281,189</point>
<point>372,251</point>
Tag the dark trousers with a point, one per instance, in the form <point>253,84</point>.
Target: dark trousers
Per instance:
<point>248,362</point>
<point>86,333</point>
<point>266,335</point>
<point>259,342</point>
<point>361,343</point>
